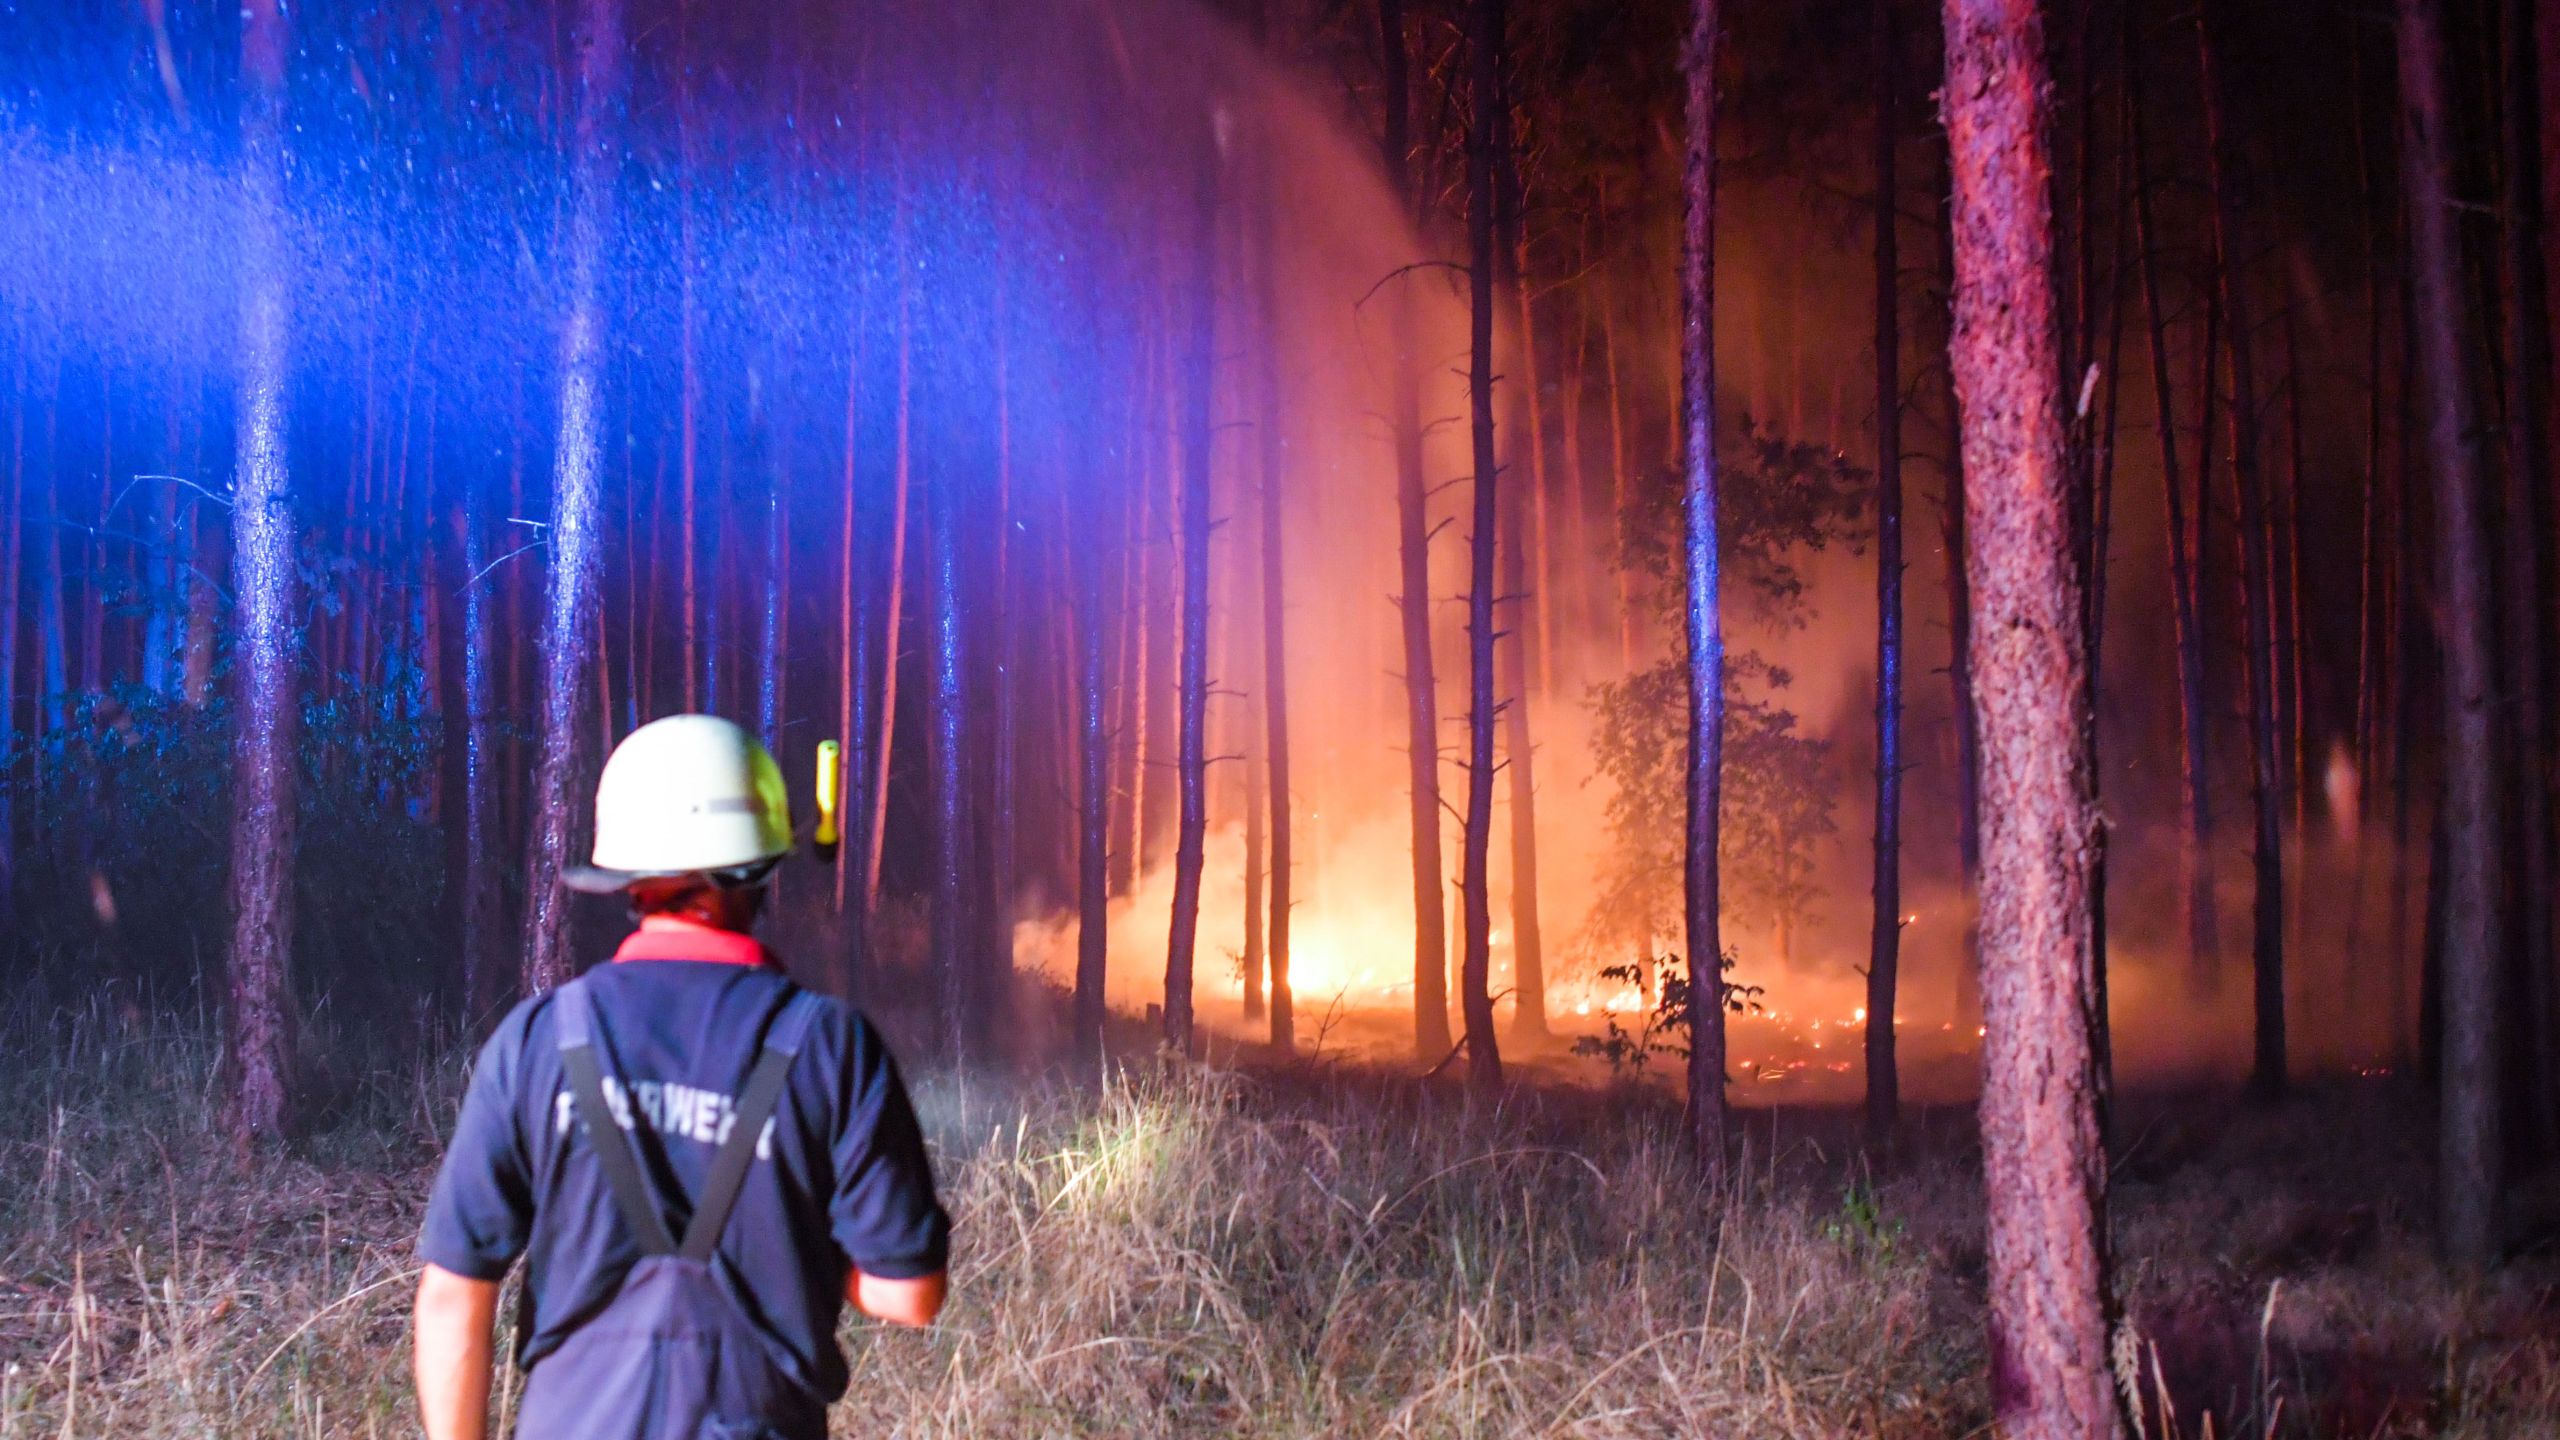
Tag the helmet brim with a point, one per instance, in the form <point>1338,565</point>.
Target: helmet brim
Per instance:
<point>596,880</point>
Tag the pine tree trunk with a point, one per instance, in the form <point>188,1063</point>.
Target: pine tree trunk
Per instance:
<point>2258,588</point>
<point>2195,852</point>
<point>1484,55</point>
<point>1523,497</point>
<point>568,626</point>
<point>947,727</point>
<point>853,676</point>
<point>2043,1165</point>
<point>1884,945</point>
<point>1413,542</point>
<point>1702,904</point>
<point>877,831</point>
<point>485,973</point>
<point>1195,383</point>
<point>1093,790</point>
<point>2473,935</point>
<point>264,569</point>
<point>1271,444</point>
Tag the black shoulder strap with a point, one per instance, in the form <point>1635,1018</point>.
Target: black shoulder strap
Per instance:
<point>746,1128</point>
<point>613,1147</point>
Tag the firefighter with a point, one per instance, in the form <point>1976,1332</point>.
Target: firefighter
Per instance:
<point>699,1162</point>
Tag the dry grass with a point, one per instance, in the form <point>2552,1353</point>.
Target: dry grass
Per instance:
<point>1280,1254</point>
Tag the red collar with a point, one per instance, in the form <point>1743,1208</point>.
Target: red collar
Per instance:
<point>670,937</point>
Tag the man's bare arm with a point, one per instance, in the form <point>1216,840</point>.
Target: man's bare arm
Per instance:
<point>454,1318</point>
<point>899,1302</point>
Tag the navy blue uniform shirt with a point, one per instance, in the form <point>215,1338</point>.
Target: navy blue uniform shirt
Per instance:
<point>841,1179</point>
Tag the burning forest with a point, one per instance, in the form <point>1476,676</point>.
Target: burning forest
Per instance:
<point>1475,686</point>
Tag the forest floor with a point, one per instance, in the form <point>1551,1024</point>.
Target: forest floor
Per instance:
<point>1306,1250</point>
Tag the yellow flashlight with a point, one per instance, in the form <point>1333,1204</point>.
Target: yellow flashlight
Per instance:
<point>830,797</point>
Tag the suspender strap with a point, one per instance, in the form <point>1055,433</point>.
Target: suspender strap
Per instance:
<point>746,1128</point>
<point>612,1146</point>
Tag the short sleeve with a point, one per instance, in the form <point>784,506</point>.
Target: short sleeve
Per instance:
<point>884,1214</point>
<point>481,1211</point>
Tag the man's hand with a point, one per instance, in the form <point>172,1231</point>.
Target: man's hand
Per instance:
<point>899,1302</point>
<point>455,1313</point>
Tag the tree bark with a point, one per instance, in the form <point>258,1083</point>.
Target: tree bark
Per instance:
<point>2473,935</point>
<point>1093,790</point>
<point>264,569</point>
<point>2043,1165</point>
<point>485,977</point>
<point>1195,384</point>
<point>903,461</point>
<point>1270,444</point>
<point>1884,943</point>
<point>1484,62</point>
<point>1702,578</point>
<point>1413,553</point>
<point>2258,586</point>
<point>568,628</point>
<point>947,723</point>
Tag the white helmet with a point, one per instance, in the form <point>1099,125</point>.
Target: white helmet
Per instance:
<point>687,795</point>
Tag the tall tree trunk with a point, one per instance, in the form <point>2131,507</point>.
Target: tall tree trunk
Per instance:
<point>2195,850</point>
<point>1413,550</point>
<point>485,977</point>
<point>1484,80</point>
<point>2528,440</point>
<point>772,617</point>
<point>852,667</point>
<point>568,627</point>
<point>947,706</point>
<point>1884,944</point>
<point>2467,1185</point>
<point>1195,385</point>
<point>1621,506</point>
<point>264,569</point>
<point>1270,445</point>
<point>1521,501</point>
<point>2267,1070</point>
<point>903,458</point>
<point>1093,789</point>
<point>689,381</point>
<point>1004,759</point>
<point>1702,577</point>
<point>2043,1165</point>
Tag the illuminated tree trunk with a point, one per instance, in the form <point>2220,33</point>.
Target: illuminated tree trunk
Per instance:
<point>264,568</point>
<point>1520,500</point>
<point>772,617</point>
<point>1620,506</point>
<point>1093,772</point>
<point>568,627</point>
<point>2528,444</point>
<point>853,677</point>
<point>485,972</point>
<point>2473,933</point>
<point>1194,385</point>
<point>1270,439</point>
<point>1413,549</point>
<point>689,380</point>
<point>2195,851</point>
<point>2043,1165</point>
<point>1702,580</point>
<point>1484,53</point>
<point>1004,758</point>
<point>1884,945</point>
<point>2267,1072</point>
<point>946,724</point>
<point>877,831</point>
